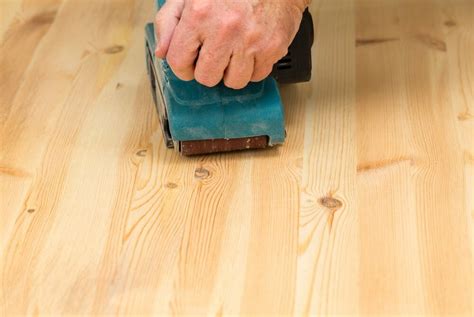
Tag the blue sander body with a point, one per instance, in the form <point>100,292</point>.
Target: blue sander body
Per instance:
<point>196,119</point>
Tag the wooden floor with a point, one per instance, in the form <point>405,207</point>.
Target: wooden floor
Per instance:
<point>367,209</point>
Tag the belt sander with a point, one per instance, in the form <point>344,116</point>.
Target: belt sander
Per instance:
<point>197,120</point>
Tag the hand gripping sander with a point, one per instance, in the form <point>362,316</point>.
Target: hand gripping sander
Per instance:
<point>199,120</point>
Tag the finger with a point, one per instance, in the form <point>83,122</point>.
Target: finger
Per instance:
<point>261,71</point>
<point>165,23</point>
<point>183,51</point>
<point>213,60</point>
<point>239,72</point>
<point>276,49</point>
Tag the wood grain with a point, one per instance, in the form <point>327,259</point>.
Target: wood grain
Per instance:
<point>366,210</point>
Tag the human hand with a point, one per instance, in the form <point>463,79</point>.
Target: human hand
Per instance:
<point>237,41</point>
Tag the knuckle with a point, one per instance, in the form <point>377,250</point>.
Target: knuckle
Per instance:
<point>229,25</point>
<point>274,52</point>
<point>207,58</point>
<point>253,37</point>
<point>200,9</point>
<point>231,21</point>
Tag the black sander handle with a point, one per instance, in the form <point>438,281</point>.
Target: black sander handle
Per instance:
<point>296,66</point>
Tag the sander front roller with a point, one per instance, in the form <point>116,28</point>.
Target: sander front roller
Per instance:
<point>198,120</point>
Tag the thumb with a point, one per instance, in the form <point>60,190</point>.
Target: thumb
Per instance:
<point>166,21</point>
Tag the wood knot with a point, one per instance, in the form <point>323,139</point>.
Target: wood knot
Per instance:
<point>374,41</point>
<point>31,210</point>
<point>201,173</point>
<point>432,42</point>
<point>171,185</point>
<point>330,203</point>
<point>114,49</point>
<point>119,86</point>
<point>44,17</point>
<point>450,23</point>
<point>464,116</point>
<point>469,158</point>
<point>141,153</point>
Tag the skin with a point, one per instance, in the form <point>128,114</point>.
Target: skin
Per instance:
<point>237,41</point>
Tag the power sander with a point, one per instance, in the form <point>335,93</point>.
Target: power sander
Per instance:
<point>199,120</point>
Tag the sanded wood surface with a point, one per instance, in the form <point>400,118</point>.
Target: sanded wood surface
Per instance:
<point>367,208</point>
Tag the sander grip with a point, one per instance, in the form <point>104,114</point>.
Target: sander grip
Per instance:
<point>296,66</point>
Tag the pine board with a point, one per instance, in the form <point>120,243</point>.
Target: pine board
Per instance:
<point>367,208</point>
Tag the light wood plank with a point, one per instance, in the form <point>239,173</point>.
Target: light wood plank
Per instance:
<point>326,282</point>
<point>367,209</point>
<point>404,97</point>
